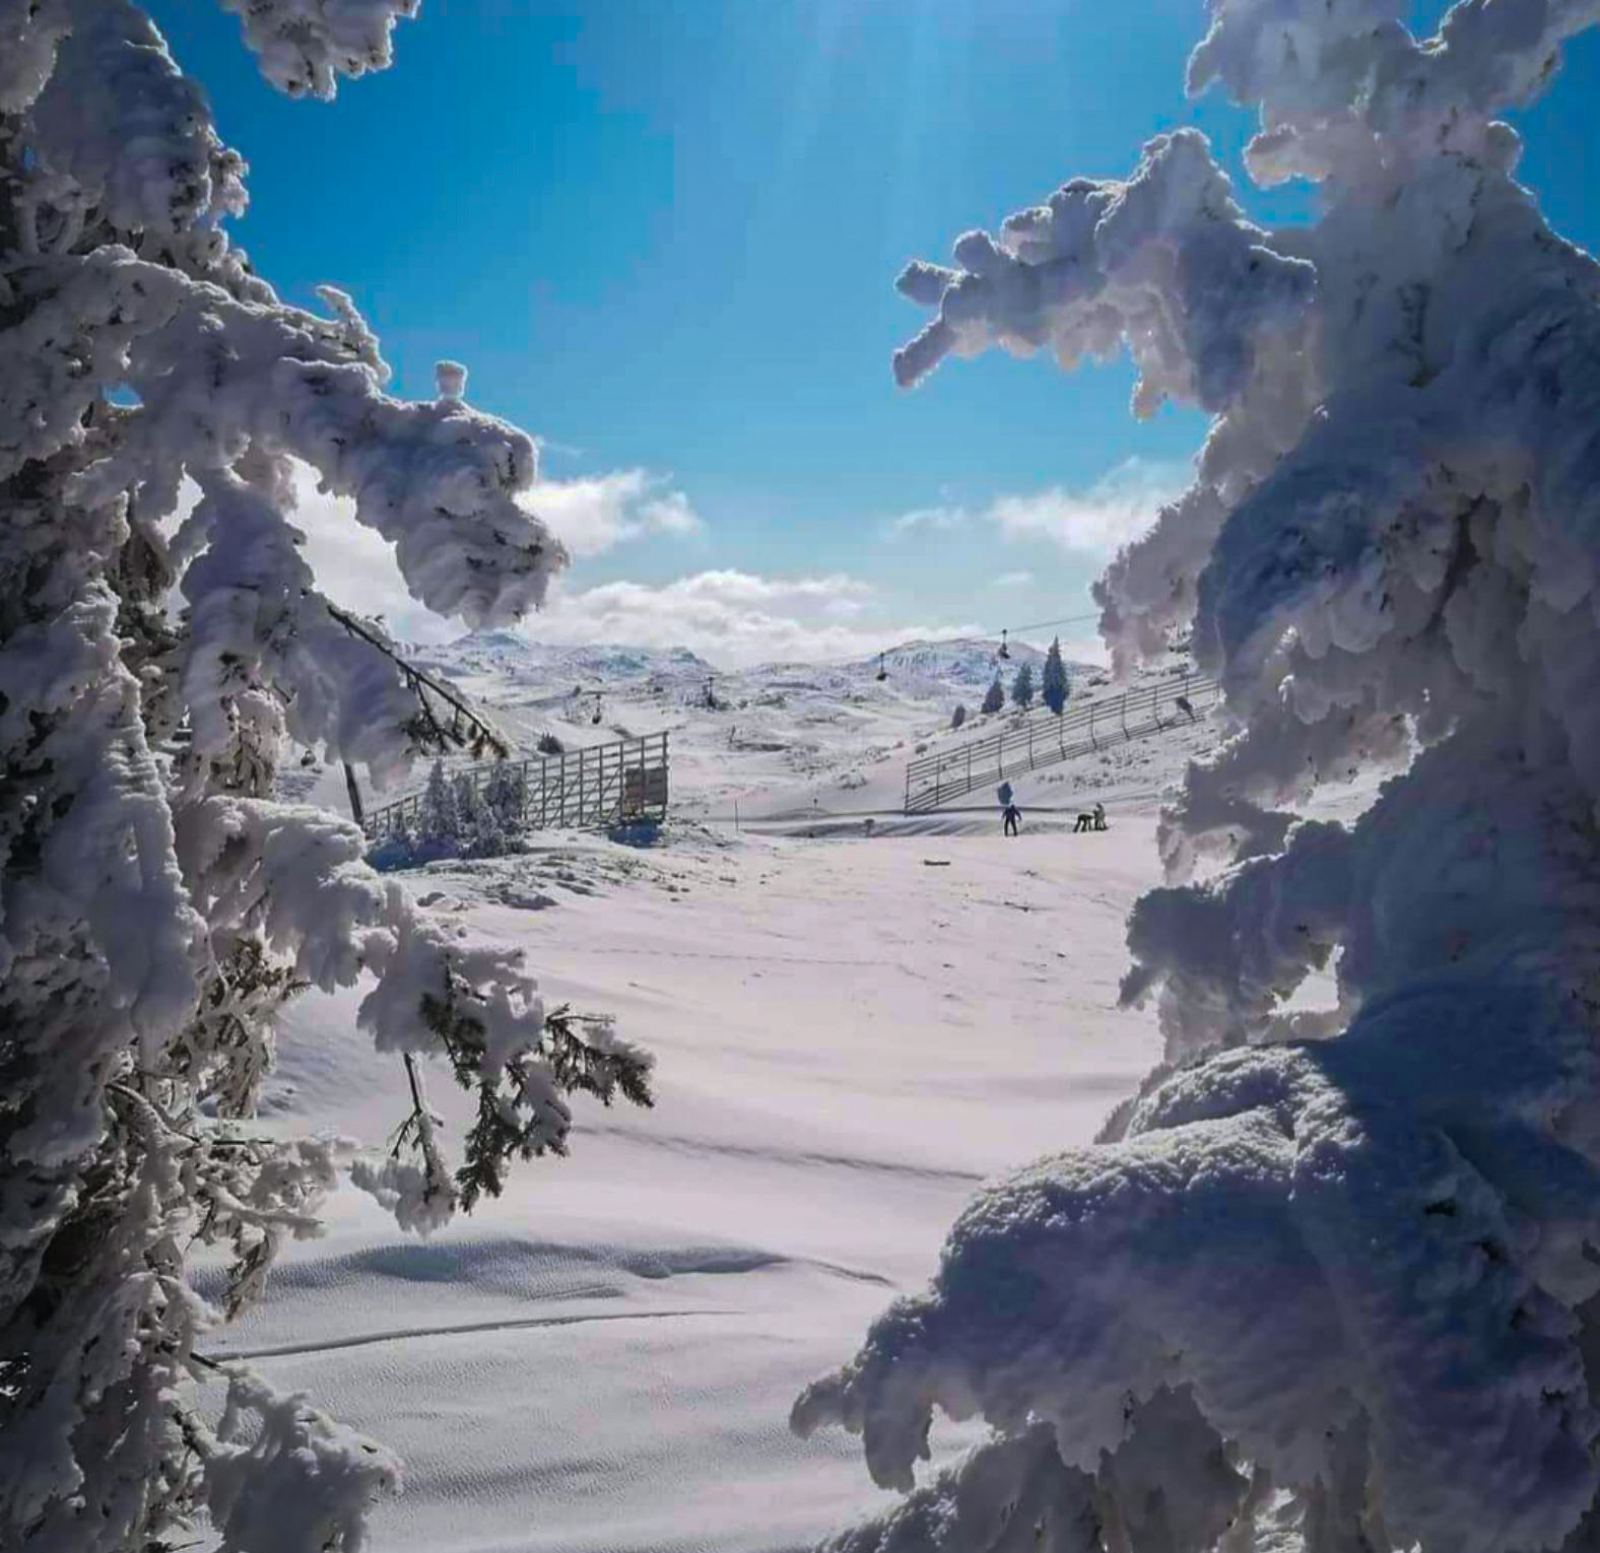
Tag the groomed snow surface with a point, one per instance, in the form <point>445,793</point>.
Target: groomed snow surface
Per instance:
<point>852,1033</point>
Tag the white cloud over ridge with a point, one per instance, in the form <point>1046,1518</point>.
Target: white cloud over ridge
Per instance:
<point>733,619</point>
<point>591,515</point>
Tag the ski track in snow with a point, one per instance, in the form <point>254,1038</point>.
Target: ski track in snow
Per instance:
<point>406,1334</point>
<point>848,1042</point>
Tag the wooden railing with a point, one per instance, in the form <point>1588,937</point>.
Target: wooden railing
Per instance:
<point>584,789</point>
<point>1040,738</point>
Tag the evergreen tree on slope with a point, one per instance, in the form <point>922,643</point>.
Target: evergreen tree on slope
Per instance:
<point>157,904</point>
<point>1022,686</point>
<point>1053,686</point>
<point>500,814</point>
<point>1328,1283</point>
<point>468,807</point>
<point>438,820</point>
<point>994,698</point>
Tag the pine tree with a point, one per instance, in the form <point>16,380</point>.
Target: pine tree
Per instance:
<point>1054,689</point>
<point>500,810</point>
<point>1329,1280</point>
<point>1022,686</point>
<point>468,807</point>
<point>958,716</point>
<point>994,698</point>
<point>438,819</point>
<point>158,905</point>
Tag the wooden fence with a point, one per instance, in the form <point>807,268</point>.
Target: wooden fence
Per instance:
<point>1041,738</point>
<point>584,789</point>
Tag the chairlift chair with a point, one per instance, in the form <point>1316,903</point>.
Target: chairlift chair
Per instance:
<point>596,718</point>
<point>883,667</point>
<point>1005,650</point>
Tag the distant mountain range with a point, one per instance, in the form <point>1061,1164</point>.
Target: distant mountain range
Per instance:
<point>515,658</point>
<point>933,670</point>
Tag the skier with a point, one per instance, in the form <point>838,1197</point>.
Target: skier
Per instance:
<point>1011,814</point>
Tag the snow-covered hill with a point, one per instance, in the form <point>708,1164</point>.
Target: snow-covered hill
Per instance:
<point>515,661</point>
<point>778,740</point>
<point>851,1033</point>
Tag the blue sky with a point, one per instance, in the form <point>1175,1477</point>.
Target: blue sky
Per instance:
<point>664,236</point>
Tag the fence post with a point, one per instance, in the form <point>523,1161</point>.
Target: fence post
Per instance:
<point>353,788</point>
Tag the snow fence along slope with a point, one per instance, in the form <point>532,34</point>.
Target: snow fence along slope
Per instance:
<point>1336,1290</point>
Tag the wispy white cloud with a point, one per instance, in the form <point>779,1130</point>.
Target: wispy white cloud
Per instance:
<point>1099,519</point>
<point>1011,580</point>
<point>1095,521</point>
<point>929,520</point>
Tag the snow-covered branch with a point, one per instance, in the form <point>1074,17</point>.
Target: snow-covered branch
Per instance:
<point>158,903</point>
<point>1332,1272</point>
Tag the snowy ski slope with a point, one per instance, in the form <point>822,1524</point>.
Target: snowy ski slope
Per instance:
<point>851,1034</point>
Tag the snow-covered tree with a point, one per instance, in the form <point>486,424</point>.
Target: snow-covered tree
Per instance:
<point>1330,1281</point>
<point>438,818</point>
<point>994,698</point>
<point>1053,687</point>
<point>499,810</point>
<point>959,716</point>
<point>468,806</point>
<point>157,904</point>
<point>1022,686</point>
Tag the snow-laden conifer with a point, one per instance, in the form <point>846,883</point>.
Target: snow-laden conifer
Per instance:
<point>994,698</point>
<point>1330,1281</point>
<point>468,805</point>
<point>158,904</point>
<point>438,821</point>
<point>1022,686</point>
<point>501,814</point>
<point>1053,687</point>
